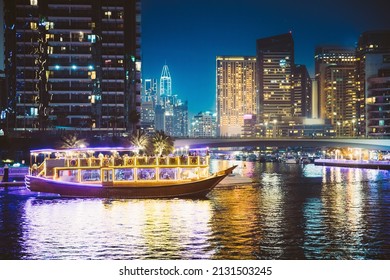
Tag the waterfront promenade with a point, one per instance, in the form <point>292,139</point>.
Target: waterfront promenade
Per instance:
<point>375,144</point>
<point>371,164</point>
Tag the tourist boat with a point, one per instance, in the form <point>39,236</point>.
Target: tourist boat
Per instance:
<point>291,160</point>
<point>118,173</point>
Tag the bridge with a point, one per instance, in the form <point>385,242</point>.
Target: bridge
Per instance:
<point>374,144</point>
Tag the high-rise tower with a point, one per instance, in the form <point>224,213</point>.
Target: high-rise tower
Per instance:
<point>165,82</point>
<point>275,63</point>
<point>335,73</point>
<point>236,93</point>
<point>302,92</point>
<point>73,64</point>
<point>373,66</point>
<point>324,57</point>
<point>171,114</point>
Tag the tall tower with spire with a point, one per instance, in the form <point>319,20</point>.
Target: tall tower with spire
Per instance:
<point>165,82</point>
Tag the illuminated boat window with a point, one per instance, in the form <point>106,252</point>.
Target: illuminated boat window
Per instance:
<point>68,175</point>
<point>124,174</point>
<point>168,174</point>
<point>146,174</point>
<point>95,161</point>
<point>90,175</point>
<point>84,162</point>
<point>188,173</point>
<point>203,172</point>
<point>173,161</point>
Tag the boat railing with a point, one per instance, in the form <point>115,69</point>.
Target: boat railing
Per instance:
<point>47,167</point>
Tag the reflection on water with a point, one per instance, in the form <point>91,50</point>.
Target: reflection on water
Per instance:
<point>291,212</point>
<point>99,229</point>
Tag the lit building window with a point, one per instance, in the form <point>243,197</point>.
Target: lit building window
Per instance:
<point>34,2</point>
<point>33,25</point>
<point>108,14</point>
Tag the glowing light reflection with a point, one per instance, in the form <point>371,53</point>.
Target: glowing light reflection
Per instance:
<point>137,228</point>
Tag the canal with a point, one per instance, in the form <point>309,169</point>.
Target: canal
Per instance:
<point>292,211</point>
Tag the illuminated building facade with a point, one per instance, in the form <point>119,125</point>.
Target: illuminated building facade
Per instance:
<point>149,101</point>
<point>204,125</point>
<point>373,64</point>
<point>150,92</point>
<point>165,82</point>
<point>302,92</point>
<point>326,56</point>
<point>378,104</point>
<point>275,63</point>
<point>73,64</point>
<point>236,93</point>
<point>171,114</point>
<point>340,99</point>
<point>250,126</point>
<point>180,119</point>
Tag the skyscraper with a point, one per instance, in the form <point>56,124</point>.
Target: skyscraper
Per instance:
<point>324,57</point>
<point>275,63</point>
<point>335,73</point>
<point>73,64</point>
<point>165,82</point>
<point>171,114</point>
<point>340,99</point>
<point>180,119</point>
<point>150,90</point>
<point>302,92</point>
<point>148,104</point>
<point>236,93</point>
<point>373,64</point>
<point>204,125</point>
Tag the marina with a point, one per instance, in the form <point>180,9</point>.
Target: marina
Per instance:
<point>294,211</point>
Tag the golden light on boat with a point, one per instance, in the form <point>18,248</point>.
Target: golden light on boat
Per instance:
<point>119,175</point>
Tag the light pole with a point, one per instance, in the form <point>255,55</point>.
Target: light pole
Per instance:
<point>274,128</point>
<point>338,129</point>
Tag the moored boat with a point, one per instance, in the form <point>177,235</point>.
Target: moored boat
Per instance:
<point>117,173</point>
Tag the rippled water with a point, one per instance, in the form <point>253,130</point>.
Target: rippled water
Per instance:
<point>292,212</point>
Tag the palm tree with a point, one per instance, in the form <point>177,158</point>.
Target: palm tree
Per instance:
<point>72,140</point>
<point>140,140</point>
<point>162,143</point>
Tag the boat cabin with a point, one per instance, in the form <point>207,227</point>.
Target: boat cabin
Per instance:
<point>113,166</point>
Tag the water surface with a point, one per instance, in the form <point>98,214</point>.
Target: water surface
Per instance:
<point>292,212</point>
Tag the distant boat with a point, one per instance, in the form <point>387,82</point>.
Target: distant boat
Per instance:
<point>251,157</point>
<point>305,160</point>
<point>92,173</point>
<point>290,160</point>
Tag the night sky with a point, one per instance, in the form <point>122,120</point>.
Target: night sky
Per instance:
<point>189,34</point>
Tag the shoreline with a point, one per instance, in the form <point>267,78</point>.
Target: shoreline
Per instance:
<point>369,164</point>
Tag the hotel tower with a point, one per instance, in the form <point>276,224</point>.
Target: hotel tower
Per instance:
<point>335,73</point>
<point>236,93</point>
<point>275,64</point>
